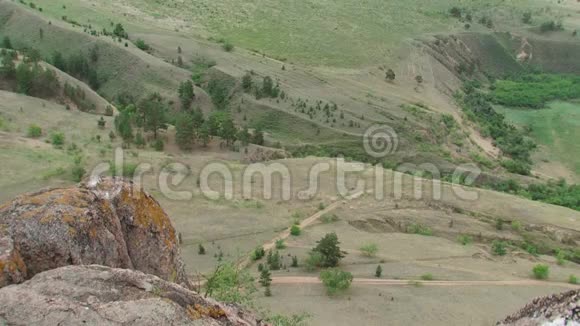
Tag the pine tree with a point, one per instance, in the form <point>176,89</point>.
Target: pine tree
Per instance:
<point>258,137</point>
<point>139,140</point>
<point>294,261</point>
<point>101,123</point>
<point>153,110</point>
<point>247,82</point>
<point>379,271</point>
<point>244,136</point>
<point>228,131</point>
<point>6,43</point>
<point>419,79</point>
<point>330,251</point>
<point>265,277</point>
<point>273,260</point>
<point>186,94</point>
<point>123,125</point>
<point>184,131</point>
<point>390,75</point>
<point>204,134</point>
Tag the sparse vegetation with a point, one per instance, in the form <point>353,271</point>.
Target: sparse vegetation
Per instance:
<point>465,239</point>
<point>419,229</point>
<point>369,250</point>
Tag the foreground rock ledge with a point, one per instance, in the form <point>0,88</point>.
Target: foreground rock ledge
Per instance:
<point>107,223</point>
<point>99,295</point>
<point>556,309</point>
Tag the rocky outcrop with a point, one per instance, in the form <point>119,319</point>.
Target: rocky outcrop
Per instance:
<point>557,309</point>
<point>98,295</point>
<point>107,223</point>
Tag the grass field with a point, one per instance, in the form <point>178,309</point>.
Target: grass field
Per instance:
<point>556,129</point>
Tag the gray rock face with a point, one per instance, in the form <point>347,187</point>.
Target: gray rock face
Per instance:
<point>108,223</point>
<point>557,309</point>
<point>99,295</point>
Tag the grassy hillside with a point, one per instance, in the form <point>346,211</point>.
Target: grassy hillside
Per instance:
<point>342,33</point>
<point>120,69</point>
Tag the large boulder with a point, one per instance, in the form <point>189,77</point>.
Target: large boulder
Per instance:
<point>107,223</point>
<point>99,295</point>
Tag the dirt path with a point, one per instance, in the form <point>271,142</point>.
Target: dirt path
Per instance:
<point>246,261</point>
<point>392,282</point>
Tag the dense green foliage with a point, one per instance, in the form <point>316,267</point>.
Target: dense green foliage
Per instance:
<point>506,137</point>
<point>554,192</point>
<point>535,90</point>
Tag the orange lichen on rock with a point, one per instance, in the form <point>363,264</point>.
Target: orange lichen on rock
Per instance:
<point>106,224</point>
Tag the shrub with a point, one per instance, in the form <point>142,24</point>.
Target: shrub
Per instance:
<point>561,257</point>
<point>369,250</point>
<point>329,218</point>
<point>572,279</point>
<point>313,261</point>
<point>57,139</point>
<point>530,248</point>
<point>335,280</point>
<point>201,249</point>
<point>142,45</point>
<point>551,26</point>
<point>465,239</point>
<point>541,271</point>
<point>427,277</point>
<point>294,261</point>
<point>499,224</point>
<point>419,229</point>
<point>295,230</point>
<point>516,226</point>
<point>158,145</point>
<point>78,172</point>
<point>227,46</point>
<point>258,253</point>
<point>498,248</point>
<point>128,170</point>
<point>34,131</point>
<point>280,244</point>
<point>273,260</point>
<point>230,284</point>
